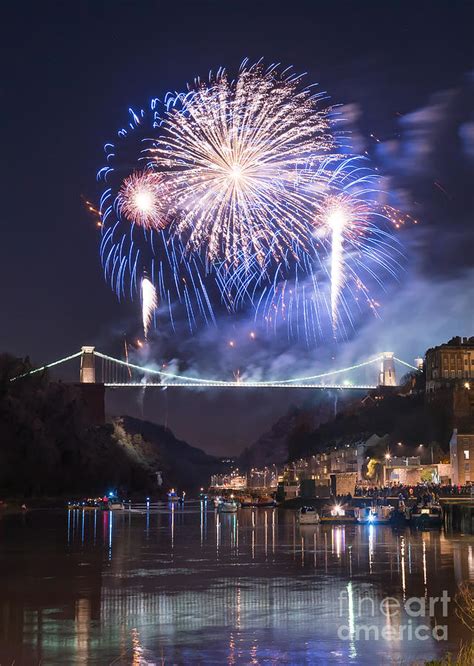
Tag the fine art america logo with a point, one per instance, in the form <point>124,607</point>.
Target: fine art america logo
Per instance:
<point>416,618</point>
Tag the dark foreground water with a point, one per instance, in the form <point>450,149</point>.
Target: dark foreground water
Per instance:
<point>187,586</point>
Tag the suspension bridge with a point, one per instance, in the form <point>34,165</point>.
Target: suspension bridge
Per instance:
<point>99,368</point>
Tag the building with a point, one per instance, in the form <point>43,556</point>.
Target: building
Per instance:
<point>450,393</point>
<point>230,481</point>
<point>461,449</point>
<point>449,364</point>
<point>409,471</point>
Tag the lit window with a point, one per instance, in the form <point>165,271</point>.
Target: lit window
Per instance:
<point>466,454</point>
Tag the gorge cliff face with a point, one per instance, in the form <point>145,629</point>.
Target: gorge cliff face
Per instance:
<point>48,446</point>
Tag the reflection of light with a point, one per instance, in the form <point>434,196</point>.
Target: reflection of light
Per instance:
<point>350,620</point>
<point>136,648</point>
<point>402,552</point>
<point>424,560</point>
<point>266,533</point>
<point>337,535</point>
<point>172,526</point>
<point>273,531</point>
<point>82,619</point>
<point>371,547</point>
<point>111,520</point>
<point>470,562</point>
<point>202,523</point>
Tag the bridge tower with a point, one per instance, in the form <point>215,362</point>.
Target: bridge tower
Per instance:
<point>87,375</point>
<point>387,370</point>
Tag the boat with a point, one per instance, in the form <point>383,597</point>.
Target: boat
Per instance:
<point>114,505</point>
<point>338,514</point>
<point>246,502</point>
<point>374,515</point>
<point>227,506</point>
<point>427,515</point>
<point>105,503</point>
<point>90,504</point>
<point>265,501</point>
<point>172,496</point>
<point>307,515</point>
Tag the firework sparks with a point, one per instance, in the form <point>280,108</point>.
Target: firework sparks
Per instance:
<point>125,345</point>
<point>336,220</point>
<point>143,200</point>
<point>240,190</point>
<point>352,249</point>
<point>129,247</point>
<point>149,304</point>
<point>231,153</point>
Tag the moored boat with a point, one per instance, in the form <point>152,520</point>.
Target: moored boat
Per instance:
<point>227,506</point>
<point>90,504</point>
<point>338,514</point>
<point>265,501</point>
<point>114,505</point>
<point>373,515</point>
<point>428,515</point>
<point>93,504</point>
<point>307,515</point>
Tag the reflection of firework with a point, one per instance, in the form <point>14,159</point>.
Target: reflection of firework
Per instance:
<point>143,200</point>
<point>231,151</point>
<point>149,304</point>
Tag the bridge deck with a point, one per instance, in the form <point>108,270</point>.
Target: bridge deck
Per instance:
<point>217,384</point>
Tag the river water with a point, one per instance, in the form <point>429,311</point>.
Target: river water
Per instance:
<point>189,586</point>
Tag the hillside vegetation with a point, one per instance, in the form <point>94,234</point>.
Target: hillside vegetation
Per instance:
<point>403,417</point>
<point>48,448</point>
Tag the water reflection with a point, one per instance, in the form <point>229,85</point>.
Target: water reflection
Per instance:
<point>188,585</point>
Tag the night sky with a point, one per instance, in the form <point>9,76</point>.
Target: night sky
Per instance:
<point>70,71</point>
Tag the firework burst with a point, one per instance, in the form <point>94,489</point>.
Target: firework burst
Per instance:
<point>143,199</point>
<point>351,252</point>
<point>231,152</point>
<point>135,230</point>
<point>235,195</point>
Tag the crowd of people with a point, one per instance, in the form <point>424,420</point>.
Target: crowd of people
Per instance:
<point>419,491</point>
